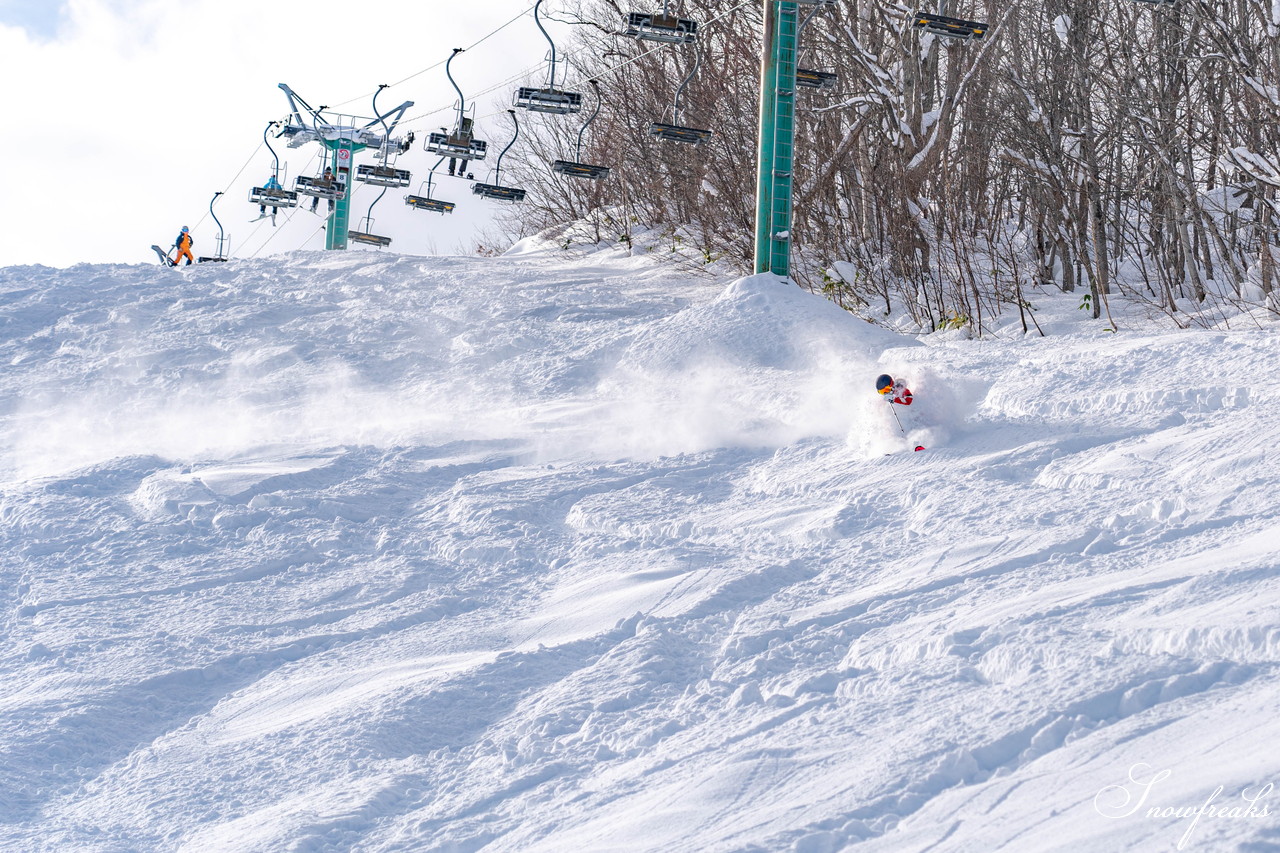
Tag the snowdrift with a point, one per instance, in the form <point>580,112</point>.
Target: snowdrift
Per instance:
<point>372,552</point>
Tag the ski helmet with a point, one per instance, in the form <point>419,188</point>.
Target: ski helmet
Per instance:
<point>185,229</point>
<point>884,383</point>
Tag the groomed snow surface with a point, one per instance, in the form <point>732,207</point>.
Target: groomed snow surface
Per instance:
<point>330,552</point>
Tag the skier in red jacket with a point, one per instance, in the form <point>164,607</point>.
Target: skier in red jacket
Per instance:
<point>893,390</point>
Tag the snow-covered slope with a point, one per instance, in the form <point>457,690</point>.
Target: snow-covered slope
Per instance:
<point>370,552</point>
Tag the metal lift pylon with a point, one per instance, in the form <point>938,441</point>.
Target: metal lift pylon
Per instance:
<point>775,155</point>
<point>341,140</point>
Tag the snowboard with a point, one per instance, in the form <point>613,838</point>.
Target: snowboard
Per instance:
<point>164,257</point>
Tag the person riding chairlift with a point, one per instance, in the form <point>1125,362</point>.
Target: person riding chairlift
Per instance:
<point>271,185</point>
<point>327,181</point>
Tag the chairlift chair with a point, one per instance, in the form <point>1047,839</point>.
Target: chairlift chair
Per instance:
<point>809,78</point>
<point>674,131</point>
<point>549,99</point>
<point>368,238</point>
<point>956,28</point>
<point>382,176</point>
<point>460,142</point>
<point>496,191</point>
<point>661,27</point>
<point>572,169</point>
<point>320,187</point>
<point>273,196</point>
<point>460,145</point>
<point>812,78</point>
<point>575,168</point>
<point>553,101</point>
<point>677,133</point>
<point>426,202</point>
<point>431,205</point>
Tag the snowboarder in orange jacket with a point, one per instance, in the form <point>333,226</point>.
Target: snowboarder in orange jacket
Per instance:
<point>183,244</point>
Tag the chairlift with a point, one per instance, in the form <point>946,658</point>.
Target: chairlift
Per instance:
<point>222,240</point>
<point>674,131</point>
<point>382,176</point>
<point>809,78</point>
<point>368,237</point>
<point>496,191</point>
<point>459,142</point>
<point>661,27</point>
<point>273,196</point>
<point>677,133</point>
<point>812,78</point>
<point>431,205</point>
<point>426,202</point>
<point>575,168</point>
<point>331,188</point>
<point>956,28</point>
<point>549,100</point>
<point>460,145</point>
<point>553,101</point>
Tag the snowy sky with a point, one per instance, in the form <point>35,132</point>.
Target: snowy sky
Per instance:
<point>134,112</point>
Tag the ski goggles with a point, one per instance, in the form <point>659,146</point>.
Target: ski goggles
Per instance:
<point>885,390</point>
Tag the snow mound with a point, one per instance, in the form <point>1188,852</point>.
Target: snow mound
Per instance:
<point>761,321</point>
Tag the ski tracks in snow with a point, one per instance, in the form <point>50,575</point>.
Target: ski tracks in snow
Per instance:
<point>441,554</point>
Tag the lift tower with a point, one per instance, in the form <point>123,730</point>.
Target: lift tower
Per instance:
<point>342,136</point>
<point>777,137</point>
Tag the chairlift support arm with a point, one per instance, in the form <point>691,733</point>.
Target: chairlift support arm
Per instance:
<point>537,20</point>
<point>462,99</point>
<point>675,103</point>
<point>577,152</point>
<point>216,219</point>
<point>267,142</point>
<point>294,100</point>
<point>222,241</point>
<point>398,112</point>
<point>497,169</point>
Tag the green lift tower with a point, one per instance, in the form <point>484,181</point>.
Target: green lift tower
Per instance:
<point>777,136</point>
<point>342,136</point>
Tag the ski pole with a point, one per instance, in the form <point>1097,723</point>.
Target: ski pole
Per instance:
<point>900,428</point>
<point>896,418</point>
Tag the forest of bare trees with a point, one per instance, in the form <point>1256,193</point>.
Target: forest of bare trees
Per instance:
<point>1096,146</point>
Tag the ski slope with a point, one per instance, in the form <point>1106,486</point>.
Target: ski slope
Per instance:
<point>330,552</point>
